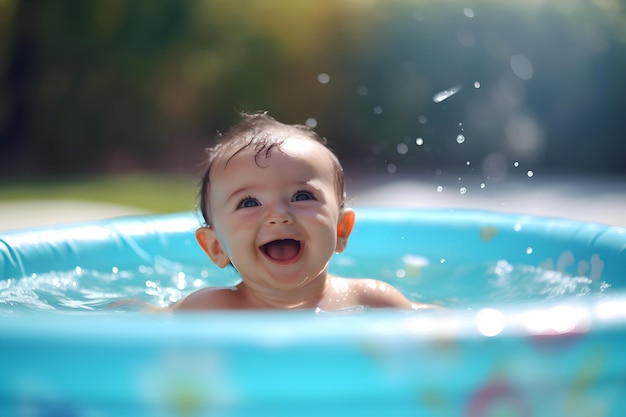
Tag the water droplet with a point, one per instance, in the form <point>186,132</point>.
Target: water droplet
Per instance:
<point>460,139</point>
<point>378,110</point>
<point>361,90</point>
<point>402,148</point>
<point>468,12</point>
<point>445,94</point>
<point>442,260</point>
<point>517,227</point>
<point>476,84</point>
<point>522,67</point>
<point>462,190</point>
<point>323,78</point>
<point>468,163</point>
<point>482,185</point>
<point>182,281</point>
<point>78,270</point>
<point>115,270</point>
<point>530,174</point>
<point>515,164</point>
<point>529,250</point>
<point>439,188</point>
<point>392,168</point>
<point>422,119</point>
<point>419,141</point>
<point>311,122</point>
<point>400,273</point>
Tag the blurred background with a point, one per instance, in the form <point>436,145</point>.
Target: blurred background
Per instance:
<point>115,101</point>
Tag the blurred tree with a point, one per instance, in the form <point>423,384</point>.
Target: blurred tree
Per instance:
<point>101,85</point>
<point>17,53</point>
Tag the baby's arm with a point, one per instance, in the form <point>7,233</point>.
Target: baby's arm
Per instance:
<point>379,294</point>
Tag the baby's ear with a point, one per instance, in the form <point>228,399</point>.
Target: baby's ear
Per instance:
<point>344,228</point>
<point>207,239</point>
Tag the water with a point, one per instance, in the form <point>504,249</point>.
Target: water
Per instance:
<point>445,94</point>
<point>420,279</point>
<point>482,284</point>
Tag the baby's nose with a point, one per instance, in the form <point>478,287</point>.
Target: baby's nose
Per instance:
<point>279,215</point>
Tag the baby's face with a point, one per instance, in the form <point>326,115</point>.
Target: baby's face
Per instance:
<point>277,222</point>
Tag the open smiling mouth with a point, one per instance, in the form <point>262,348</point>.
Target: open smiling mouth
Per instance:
<point>282,250</point>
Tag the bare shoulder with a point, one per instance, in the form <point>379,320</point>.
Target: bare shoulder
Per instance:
<point>215,298</point>
<point>376,293</point>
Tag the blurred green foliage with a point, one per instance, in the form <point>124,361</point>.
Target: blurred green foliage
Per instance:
<point>153,193</point>
<point>100,86</point>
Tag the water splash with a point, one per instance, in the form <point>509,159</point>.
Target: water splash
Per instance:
<point>402,148</point>
<point>417,276</point>
<point>445,94</point>
<point>323,78</point>
<point>159,284</point>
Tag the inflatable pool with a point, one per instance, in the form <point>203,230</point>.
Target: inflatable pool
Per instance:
<point>535,324</point>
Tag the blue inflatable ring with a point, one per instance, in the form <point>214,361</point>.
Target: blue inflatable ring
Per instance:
<point>549,358</point>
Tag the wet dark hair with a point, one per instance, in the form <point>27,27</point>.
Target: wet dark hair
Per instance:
<point>263,134</point>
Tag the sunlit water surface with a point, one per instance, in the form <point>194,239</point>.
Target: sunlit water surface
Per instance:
<point>165,282</point>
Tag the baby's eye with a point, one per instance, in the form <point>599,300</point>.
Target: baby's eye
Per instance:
<point>302,196</point>
<point>248,202</point>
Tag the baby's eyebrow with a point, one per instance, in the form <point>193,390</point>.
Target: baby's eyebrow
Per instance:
<point>310,184</point>
<point>238,191</point>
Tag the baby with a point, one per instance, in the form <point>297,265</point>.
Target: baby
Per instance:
<point>272,198</point>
